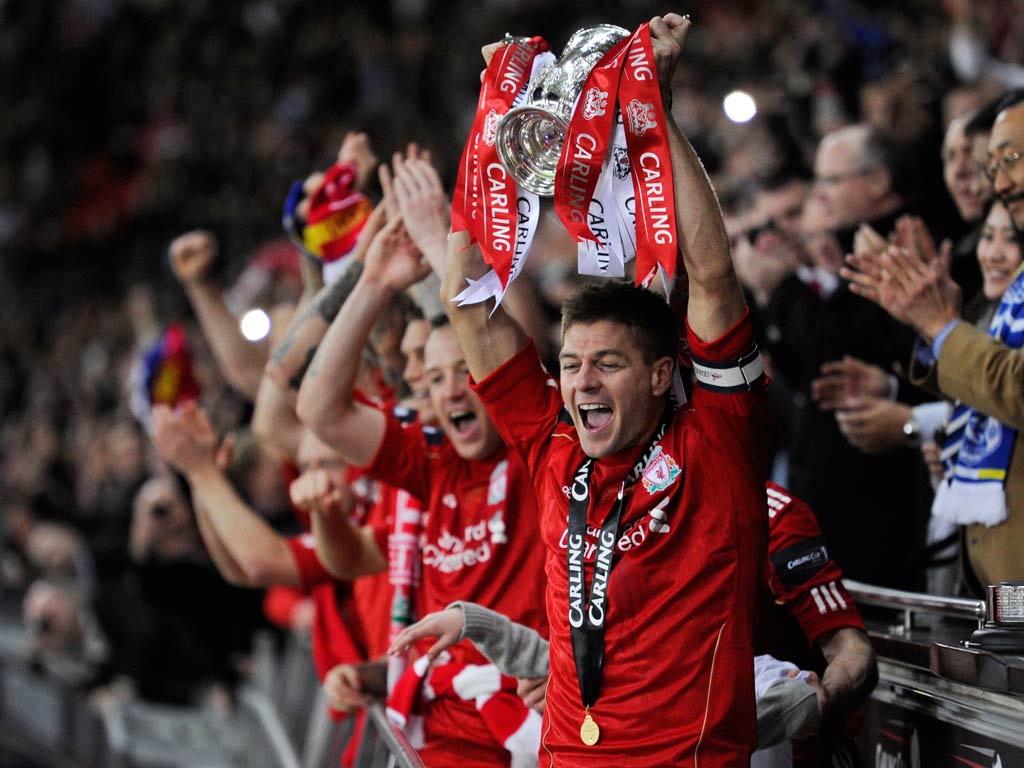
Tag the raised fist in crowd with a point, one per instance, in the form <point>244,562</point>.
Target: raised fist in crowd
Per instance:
<point>315,492</point>
<point>192,255</point>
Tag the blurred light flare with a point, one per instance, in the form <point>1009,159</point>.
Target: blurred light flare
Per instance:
<point>739,106</point>
<point>255,325</point>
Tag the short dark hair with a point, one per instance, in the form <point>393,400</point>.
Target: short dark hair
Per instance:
<point>1011,98</point>
<point>982,119</point>
<point>648,317</point>
<point>413,311</point>
<point>883,150</point>
<point>783,177</point>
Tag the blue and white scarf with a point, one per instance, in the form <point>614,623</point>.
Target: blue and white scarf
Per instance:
<point>978,448</point>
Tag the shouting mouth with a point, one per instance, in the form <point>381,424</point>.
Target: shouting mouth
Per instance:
<point>594,416</point>
<point>463,422</point>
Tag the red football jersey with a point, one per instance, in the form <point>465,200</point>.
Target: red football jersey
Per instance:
<point>677,683</point>
<point>478,543</point>
<point>800,573</point>
<point>803,598</point>
<point>372,594</point>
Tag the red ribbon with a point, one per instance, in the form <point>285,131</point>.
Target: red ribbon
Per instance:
<point>586,143</point>
<point>477,200</point>
<point>497,220</point>
<point>649,158</point>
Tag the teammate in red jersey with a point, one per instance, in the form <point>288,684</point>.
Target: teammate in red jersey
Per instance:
<point>809,618</point>
<point>478,539</point>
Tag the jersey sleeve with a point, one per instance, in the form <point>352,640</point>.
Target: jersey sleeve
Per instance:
<point>524,402</point>
<point>402,458</point>
<point>311,570</point>
<point>801,573</point>
<point>729,371</point>
<point>729,399</point>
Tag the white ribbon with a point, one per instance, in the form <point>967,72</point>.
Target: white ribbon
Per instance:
<point>622,189</point>
<point>604,257</point>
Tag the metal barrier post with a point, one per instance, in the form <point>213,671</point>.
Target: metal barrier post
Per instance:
<point>911,602</point>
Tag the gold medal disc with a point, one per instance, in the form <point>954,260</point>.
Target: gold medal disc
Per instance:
<point>589,732</point>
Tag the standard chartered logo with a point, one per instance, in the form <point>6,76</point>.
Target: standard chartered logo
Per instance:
<point>451,553</point>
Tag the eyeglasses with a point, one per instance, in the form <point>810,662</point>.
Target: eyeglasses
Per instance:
<point>839,178</point>
<point>1004,164</point>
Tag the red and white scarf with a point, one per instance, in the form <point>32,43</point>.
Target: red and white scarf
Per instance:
<point>514,725</point>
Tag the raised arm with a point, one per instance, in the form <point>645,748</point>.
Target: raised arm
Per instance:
<point>239,360</point>
<point>187,441</point>
<point>346,551</point>
<point>226,565</point>
<point>716,301</point>
<point>290,359</point>
<point>274,419</point>
<point>487,338</point>
<point>326,402</point>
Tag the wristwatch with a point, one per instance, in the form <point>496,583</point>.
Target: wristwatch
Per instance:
<point>912,430</point>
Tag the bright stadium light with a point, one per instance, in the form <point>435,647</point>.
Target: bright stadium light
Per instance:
<point>739,106</point>
<point>255,324</point>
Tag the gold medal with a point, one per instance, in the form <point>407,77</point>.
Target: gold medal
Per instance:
<point>589,732</point>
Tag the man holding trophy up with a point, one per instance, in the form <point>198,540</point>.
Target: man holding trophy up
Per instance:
<point>652,512</point>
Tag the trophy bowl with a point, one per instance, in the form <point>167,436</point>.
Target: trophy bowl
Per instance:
<point>530,138</point>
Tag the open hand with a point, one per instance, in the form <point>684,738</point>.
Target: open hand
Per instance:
<point>445,625</point>
<point>849,378</point>
<point>424,208</point>
<point>184,438</point>
<point>393,260</point>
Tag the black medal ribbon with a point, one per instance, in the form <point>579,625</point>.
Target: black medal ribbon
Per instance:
<point>587,613</point>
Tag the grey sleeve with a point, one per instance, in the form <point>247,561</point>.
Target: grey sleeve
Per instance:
<point>514,649</point>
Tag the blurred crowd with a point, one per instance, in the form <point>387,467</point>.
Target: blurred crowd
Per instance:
<point>131,122</point>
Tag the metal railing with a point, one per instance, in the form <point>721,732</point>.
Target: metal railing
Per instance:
<point>384,744</point>
<point>917,602</point>
<point>49,718</point>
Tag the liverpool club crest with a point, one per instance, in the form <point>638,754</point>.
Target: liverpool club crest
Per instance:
<point>660,473</point>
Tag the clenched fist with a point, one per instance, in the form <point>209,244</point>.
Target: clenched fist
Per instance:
<point>192,255</point>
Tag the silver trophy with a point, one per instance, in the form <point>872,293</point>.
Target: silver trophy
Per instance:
<point>530,138</point>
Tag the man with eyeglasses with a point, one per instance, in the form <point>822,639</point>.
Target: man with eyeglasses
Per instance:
<point>860,172</point>
<point>1006,152</point>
